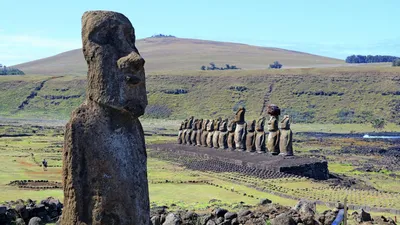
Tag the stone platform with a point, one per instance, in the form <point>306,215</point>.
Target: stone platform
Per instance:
<point>301,166</point>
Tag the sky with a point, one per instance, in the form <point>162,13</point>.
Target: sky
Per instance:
<point>31,30</point>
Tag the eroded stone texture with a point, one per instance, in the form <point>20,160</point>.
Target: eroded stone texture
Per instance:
<point>260,135</point>
<point>180,133</point>
<point>216,133</point>
<point>104,156</point>
<point>223,135</point>
<point>240,131</point>
<point>204,133</point>
<point>250,136</point>
<point>273,135</point>
<point>189,130</point>
<point>210,130</point>
<point>286,137</point>
<point>231,134</point>
<point>185,130</point>
<point>199,132</point>
<point>193,136</point>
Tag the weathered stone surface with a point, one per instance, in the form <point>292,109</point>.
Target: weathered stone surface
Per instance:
<point>283,219</point>
<point>223,135</point>
<point>193,136</point>
<point>172,219</point>
<point>250,136</point>
<point>210,133</point>
<point>199,132</point>
<point>231,134</point>
<point>273,135</point>
<point>180,133</point>
<point>104,157</point>
<point>204,133</point>
<point>286,137</point>
<point>215,138</point>
<point>260,135</point>
<point>19,221</point>
<point>189,131</point>
<point>35,221</point>
<point>240,131</point>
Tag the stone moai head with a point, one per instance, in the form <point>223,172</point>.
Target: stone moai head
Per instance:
<point>239,117</point>
<point>217,123</point>
<point>231,126</point>
<point>190,123</point>
<point>285,122</point>
<point>260,124</point>
<point>182,126</point>
<point>116,76</point>
<point>195,122</point>
<point>185,124</point>
<point>273,110</point>
<point>251,126</point>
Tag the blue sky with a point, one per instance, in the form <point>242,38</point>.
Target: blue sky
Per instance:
<point>31,30</point>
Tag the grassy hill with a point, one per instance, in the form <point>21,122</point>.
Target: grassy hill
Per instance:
<point>325,95</point>
<point>168,54</point>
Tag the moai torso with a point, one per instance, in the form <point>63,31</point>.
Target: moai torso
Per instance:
<point>180,133</point>
<point>286,142</point>
<point>273,135</point>
<point>231,134</point>
<point>250,136</point>
<point>193,136</point>
<point>189,131</point>
<point>104,174</point>
<point>199,132</point>
<point>185,131</point>
<point>210,130</point>
<point>216,133</point>
<point>204,133</point>
<point>260,135</point>
<point>240,131</point>
<point>223,135</point>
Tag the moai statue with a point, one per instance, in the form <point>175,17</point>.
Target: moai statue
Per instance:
<point>273,135</point>
<point>204,133</point>
<point>104,173</point>
<point>216,132</point>
<point>199,132</point>
<point>240,131</point>
<point>193,136</point>
<point>189,131</point>
<point>210,134</point>
<point>185,131</point>
<point>180,133</point>
<point>250,136</point>
<point>223,135</point>
<point>231,135</point>
<point>260,135</point>
<point>285,143</point>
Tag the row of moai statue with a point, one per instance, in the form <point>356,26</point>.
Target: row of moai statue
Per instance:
<point>237,134</point>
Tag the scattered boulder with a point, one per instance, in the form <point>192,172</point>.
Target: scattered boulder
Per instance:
<point>283,219</point>
<point>172,219</point>
<point>20,221</point>
<point>35,221</point>
<point>265,201</point>
<point>230,216</point>
<point>219,212</point>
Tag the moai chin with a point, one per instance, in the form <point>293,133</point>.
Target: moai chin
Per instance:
<point>260,135</point>
<point>240,131</point>
<point>273,135</point>
<point>286,137</point>
<point>104,155</point>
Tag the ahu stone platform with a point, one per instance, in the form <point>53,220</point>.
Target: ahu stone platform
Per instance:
<point>296,165</point>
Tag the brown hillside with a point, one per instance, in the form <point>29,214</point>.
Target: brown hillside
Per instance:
<point>169,54</point>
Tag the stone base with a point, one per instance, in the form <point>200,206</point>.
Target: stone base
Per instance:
<point>296,165</point>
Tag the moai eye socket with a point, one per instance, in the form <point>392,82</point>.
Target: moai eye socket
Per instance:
<point>133,80</point>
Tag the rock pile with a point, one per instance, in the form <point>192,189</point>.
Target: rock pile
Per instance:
<point>26,212</point>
